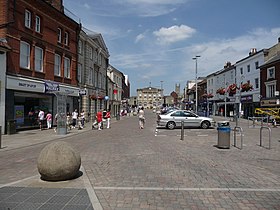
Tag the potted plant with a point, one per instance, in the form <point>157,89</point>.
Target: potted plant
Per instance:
<point>221,91</point>
<point>232,89</point>
<point>246,87</point>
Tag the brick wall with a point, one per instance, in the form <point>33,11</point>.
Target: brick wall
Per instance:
<point>47,39</point>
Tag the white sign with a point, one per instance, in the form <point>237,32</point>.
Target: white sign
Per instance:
<point>24,84</point>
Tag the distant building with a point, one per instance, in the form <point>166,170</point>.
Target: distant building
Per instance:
<point>150,97</point>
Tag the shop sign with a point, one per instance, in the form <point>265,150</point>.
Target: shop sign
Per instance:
<point>51,87</point>
<point>272,102</point>
<point>82,92</point>
<point>24,84</point>
<point>247,99</point>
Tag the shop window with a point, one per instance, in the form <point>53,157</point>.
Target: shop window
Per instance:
<point>24,55</point>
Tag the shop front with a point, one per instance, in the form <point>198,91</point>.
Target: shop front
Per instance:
<point>26,97</point>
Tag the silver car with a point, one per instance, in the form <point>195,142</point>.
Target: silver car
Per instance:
<point>174,119</point>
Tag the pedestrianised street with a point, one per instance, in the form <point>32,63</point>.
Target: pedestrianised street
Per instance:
<point>125,167</point>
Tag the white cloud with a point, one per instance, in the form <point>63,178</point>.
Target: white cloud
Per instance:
<point>174,34</point>
<point>139,38</point>
<point>87,6</point>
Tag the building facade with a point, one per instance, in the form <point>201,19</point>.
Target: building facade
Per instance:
<point>43,59</point>
<point>270,78</point>
<point>117,82</point>
<point>150,97</point>
<point>93,61</point>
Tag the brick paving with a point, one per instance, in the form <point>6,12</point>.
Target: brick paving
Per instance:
<point>129,168</point>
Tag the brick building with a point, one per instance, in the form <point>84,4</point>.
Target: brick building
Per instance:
<point>42,59</point>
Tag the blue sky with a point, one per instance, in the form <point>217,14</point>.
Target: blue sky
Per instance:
<point>155,40</point>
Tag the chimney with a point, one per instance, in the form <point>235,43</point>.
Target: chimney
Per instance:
<point>227,64</point>
<point>58,4</point>
<point>253,51</point>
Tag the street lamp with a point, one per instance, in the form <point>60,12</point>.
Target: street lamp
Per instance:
<point>196,99</point>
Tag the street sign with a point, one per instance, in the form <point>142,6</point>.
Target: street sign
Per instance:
<point>82,92</point>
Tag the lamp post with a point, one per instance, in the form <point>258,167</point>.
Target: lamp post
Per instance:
<point>196,99</point>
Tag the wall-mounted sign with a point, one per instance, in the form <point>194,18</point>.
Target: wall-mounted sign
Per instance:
<point>51,87</point>
<point>82,92</point>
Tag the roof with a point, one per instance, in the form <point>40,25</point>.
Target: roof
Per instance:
<point>274,59</point>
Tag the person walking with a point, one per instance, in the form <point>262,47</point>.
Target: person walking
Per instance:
<point>141,116</point>
<point>49,120</point>
<point>99,117</point>
<point>41,116</point>
<point>108,117</point>
<point>74,118</point>
<point>83,118</point>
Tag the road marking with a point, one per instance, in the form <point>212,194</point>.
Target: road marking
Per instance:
<point>190,189</point>
<point>91,193</point>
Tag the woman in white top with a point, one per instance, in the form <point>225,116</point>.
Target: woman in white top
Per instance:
<point>141,116</point>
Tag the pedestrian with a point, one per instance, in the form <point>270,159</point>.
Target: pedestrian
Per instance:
<point>108,117</point>
<point>99,117</point>
<point>74,118</point>
<point>83,118</point>
<point>69,121</point>
<point>41,117</point>
<point>49,120</point>
<point>55,119</point>
<point>141,116</point>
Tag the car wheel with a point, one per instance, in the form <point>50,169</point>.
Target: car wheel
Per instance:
<point>205,124</point>
<point>171,125</point>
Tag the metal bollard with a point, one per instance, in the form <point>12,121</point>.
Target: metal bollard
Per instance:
<point>269,136</point>
<point>182,130</point>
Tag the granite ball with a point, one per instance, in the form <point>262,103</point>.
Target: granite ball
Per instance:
<point>58,161</point>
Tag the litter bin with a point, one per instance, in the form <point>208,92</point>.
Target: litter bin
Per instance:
<point>11,127</point>
<point>223,135</point>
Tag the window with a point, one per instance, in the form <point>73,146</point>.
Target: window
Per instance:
<point>27,19</point>
<point>90,53</point>
<point>257,64</point>
<point>67,67</point>
<point>59,35</point>
<point>24,55</point>
<point>256,83</point>
<point>248,68</point>
<point>66,38</point>
<point>39,57</point>
<point>57,65</point>
<point>270,89</point>
<point>95,78</point>
<point>271,73</point>
<point>90,77</point>
<point>79,74</point>
<point>80,47</point>
<point>241,70</point>
<point>37,24</point>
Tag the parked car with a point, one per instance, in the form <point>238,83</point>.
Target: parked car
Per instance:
<point>174,119</point>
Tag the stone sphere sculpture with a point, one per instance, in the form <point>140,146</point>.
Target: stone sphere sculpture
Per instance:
<point>58,161</point>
